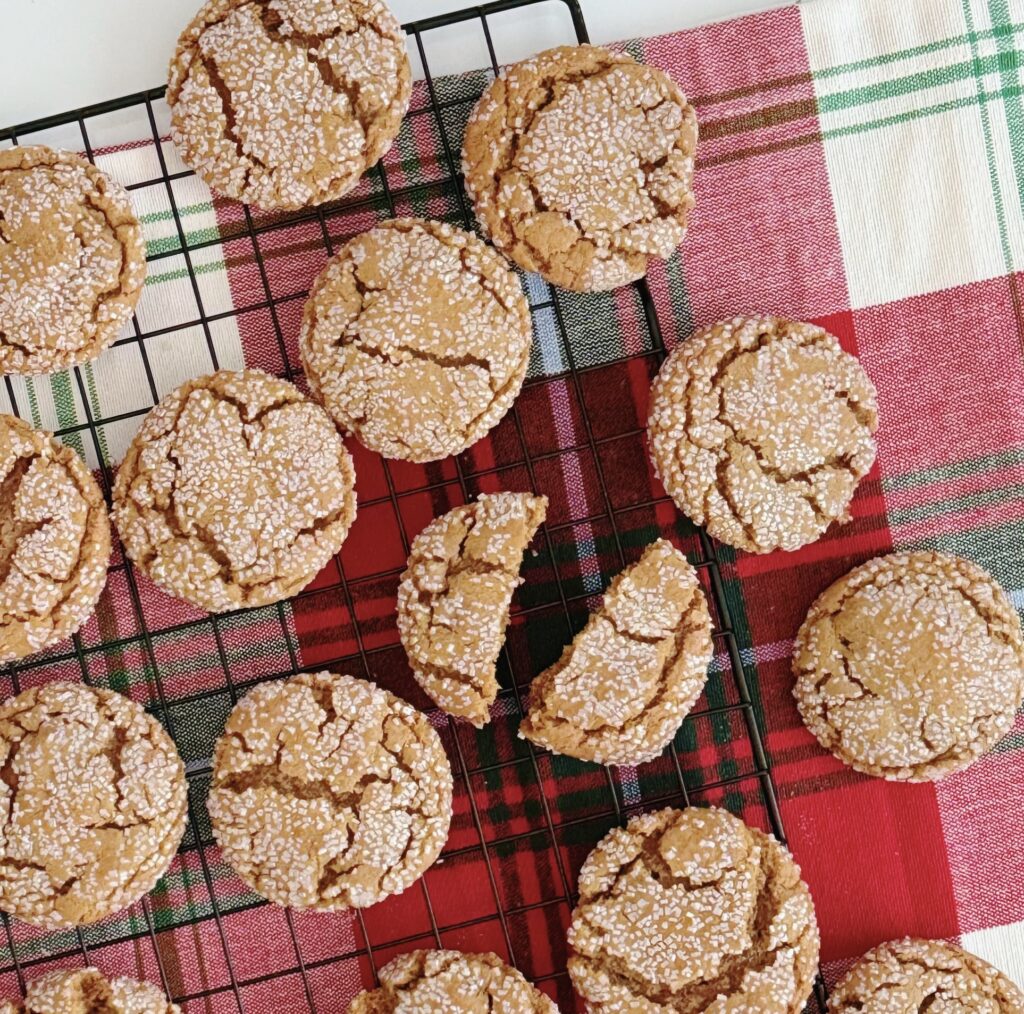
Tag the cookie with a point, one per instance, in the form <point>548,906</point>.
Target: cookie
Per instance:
<point>579,164</point>
<point>54,537</point>
<point>94,804</point>
<point>910,666</point>
<point>236,491</point>
<point>691,910</point>
<point>88,991</point>
<point>907,976</point>
<point>624,685</point>
<point>329,792</point>
<point>448,982</point>
<point>760,429</point>
<point>72,260</point>
<point>286,103</point>
<point>416,338</point>
<point>453,600</point>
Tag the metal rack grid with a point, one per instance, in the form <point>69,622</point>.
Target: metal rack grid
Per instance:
<point>149,930</point>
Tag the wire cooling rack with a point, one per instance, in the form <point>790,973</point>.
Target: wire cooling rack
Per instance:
<point>524,820</point>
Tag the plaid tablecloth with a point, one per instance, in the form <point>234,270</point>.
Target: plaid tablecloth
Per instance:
<point>862,166</point>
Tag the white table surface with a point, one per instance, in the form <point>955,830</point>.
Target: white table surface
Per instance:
<point>62,54</point>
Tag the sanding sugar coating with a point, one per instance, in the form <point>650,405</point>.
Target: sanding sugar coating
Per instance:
<point>235,492</point>
<point>691,911</point>
<point>286,103</point>
<point>453,601</point>
<point>54,540</point>
<point>910,666</point>
<point>89,991</point>
<point>94,804</point>
<point>329,792</point>
<point>416,338</point>
<point>450,982</point>
<point>622,688</point>
<point>760,429</point>
<point>908,976</point>
<point>72,260</point>
<point>579,163</point>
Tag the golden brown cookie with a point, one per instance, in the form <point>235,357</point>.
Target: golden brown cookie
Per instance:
<point>454,598</point>
<point>94,804</point>
<point>286,103</point>
<point>54,540</point>
<point>450,982</point>
<point>910,666</point>
<point>329,792</point>
<point>579,163</point>
<point>236,491</point>
<point>760,429</point>
<point>72,260</point>
<point>908,976</point>
<point>691,910</point>
<point>416,338</point>
<point>624,685</point>
<point>89,991</point>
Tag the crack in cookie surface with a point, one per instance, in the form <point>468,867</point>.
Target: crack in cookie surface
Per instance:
<point>329,792</point>
<point>88,991</point>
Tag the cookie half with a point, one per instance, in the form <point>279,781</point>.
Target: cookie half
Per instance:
<point>579,164</point>
<point>908,976</point>
<point>89,991</point>
<point>72,260</point>
<point>55,537</point>
<point>416,338</point>
<point>910,666</point>
<point>329,792</point>
<point>624,685</point>
<point>236,491</point>
<point>760,429</point>
<point>94,804</point>
<point>287,103</point>
<point>447,982</point>
<point>692,910</point>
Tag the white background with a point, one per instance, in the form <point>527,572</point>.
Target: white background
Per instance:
<point>57,55</point>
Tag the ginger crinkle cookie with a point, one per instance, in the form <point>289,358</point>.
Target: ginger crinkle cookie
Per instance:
<point>760,429</point>
<point>94,804</point>
<point>286,103</point>
<point>329,792</point>
<point>72,260</point>
<point>450,982</point>
<point>623,687</point>
<point>89,991</point>
<point>579,163</point>
<point>416,338</point>
<point>453,600</point>
<point>692,911</point>
<point>910,666</point>
<point>54,540</point>
<point>235,492</point>
<point>909,976</point>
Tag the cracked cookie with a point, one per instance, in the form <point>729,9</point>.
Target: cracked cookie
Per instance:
<point>72,260</point>
<point>54,540</point>
<point>908,976</point>
<point>286,103</point>
<point>910,666</point>
<point>450,982</point>
<point>454,598</point>
<point>624,685</point>
<point>89,991</point>
<point>760,429</point>
<point>579,164</point>
<point>416,338</point>
<point>236,491</point>
<point>94,804</point>
<point>329,792</point>
<point>692,911</point>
